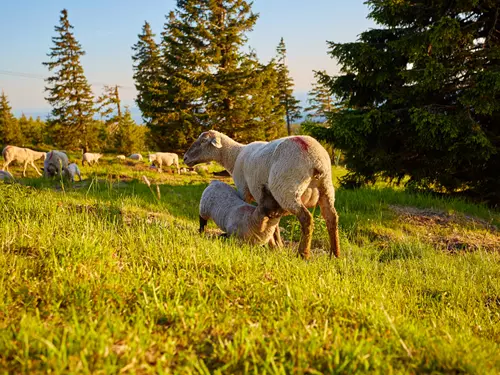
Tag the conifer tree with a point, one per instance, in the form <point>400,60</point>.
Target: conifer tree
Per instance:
<point>147,75</point>
<point>181,116</point>
<point>422,97</point>
<point>71,120</point>
<point>129,137</point>
<point>285,85</point>
<point>9,126</point>
<point>320,101</point>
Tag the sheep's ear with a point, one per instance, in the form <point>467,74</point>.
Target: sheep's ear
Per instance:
<point>216,141</point>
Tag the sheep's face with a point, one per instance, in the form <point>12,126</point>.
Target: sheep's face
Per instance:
<point>268,206</point>
<point>151,158</point>
<point>205,148</point>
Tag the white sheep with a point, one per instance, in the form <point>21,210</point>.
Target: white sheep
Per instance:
<point>21,155</point>
<point>73,170</point>
<point>184,170</point>
<point>6,176</point>
<point>135,157</point>
<point>221,203</point>
<point>201,169</point>
<point>165,158</point>
<point>121,157</point>
<point>56,164</point>
<point>91,158</point>
<point>297,171</point>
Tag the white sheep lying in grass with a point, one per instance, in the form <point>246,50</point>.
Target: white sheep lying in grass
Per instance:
<point>184,170</point>
<point>165,158</point>
<point>56,164</point>
<point>221,203</point>
<point>73,170</point>
<point>297,171</point>
<point>21,155</point>
<point>121,157</point>
<point>6,176</point>
<point>91,158</point>
<point>135,157</point>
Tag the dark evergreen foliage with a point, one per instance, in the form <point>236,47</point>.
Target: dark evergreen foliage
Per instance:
<point>288,101</point>
<point>71,121</point>
<point>10,131</point>
<point>422,97</point>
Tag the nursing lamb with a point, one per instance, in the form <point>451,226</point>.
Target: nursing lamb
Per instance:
<point>297,171</point>
<point>221,203</point>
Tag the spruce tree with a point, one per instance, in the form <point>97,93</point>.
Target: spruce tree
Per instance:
<point>422,97</point>
<point>129,136</point>
<point>285,85</point>
<point>71,120</point>
<point>320,101</point>
<point>9,126</point>
<point>147,75</point>
<point>182,115</point>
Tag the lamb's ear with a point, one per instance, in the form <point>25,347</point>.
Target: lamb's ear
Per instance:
<point>216,141</point>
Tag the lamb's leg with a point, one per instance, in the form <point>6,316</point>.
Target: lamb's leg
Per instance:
<point>24,170</point>
<point>326,203</point>
<point>36,169</point>
<point>277,237</point>
<point>203,224</point>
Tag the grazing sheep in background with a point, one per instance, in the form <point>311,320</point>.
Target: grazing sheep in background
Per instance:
<point>55,164</point>
<point>91,158</point>
<point>221,203</point>
<point>165,158</point>
<point>184,170</point>
<point>6,176</point>
<point>201,169</point>
<point>72,171</point>
<point>121,157</point>
<point>297,171</point>
<point>21,155</point>
<point>135,157</point>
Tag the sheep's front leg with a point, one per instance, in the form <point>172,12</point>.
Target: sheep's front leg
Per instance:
<point>24,170</point>
<point>203,224</point>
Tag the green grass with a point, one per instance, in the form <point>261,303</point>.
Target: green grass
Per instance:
<point>104,277</point>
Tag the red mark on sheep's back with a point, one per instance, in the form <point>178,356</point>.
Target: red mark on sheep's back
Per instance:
<point>51,153</point>
<point>301,142</point>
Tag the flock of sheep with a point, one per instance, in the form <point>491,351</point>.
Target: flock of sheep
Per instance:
<point>57,162</point>
<point>284,176</point>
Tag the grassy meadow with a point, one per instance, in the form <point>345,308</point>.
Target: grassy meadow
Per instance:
<point>109,275</point>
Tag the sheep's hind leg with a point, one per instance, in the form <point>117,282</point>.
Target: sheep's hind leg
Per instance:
<point>24,170</point>
<point>36,169</point>
<point>326,203</point>
<point>6,166</point>
<point>277,237</point>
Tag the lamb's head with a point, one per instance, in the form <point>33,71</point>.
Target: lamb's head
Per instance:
<point>206,148</point>
<point>98,156</point>
<point>268,206</point>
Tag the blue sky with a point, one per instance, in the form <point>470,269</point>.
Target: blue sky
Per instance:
<point>107,29</point>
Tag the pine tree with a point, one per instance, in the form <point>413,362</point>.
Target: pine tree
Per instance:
<point>71,121</point>
<point>320,101</point>
<point>285,84</point>
<point>147,75</point>
<point>109,107</point>
<point>422,97</point>
<point>9,126</point>
<point>181,117</point>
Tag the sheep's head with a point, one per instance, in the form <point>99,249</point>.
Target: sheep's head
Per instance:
<point>205,148</point>
<point>268,205</point>
<point>151,157</point>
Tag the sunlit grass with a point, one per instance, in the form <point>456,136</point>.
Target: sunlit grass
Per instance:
<point>105,278</point>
